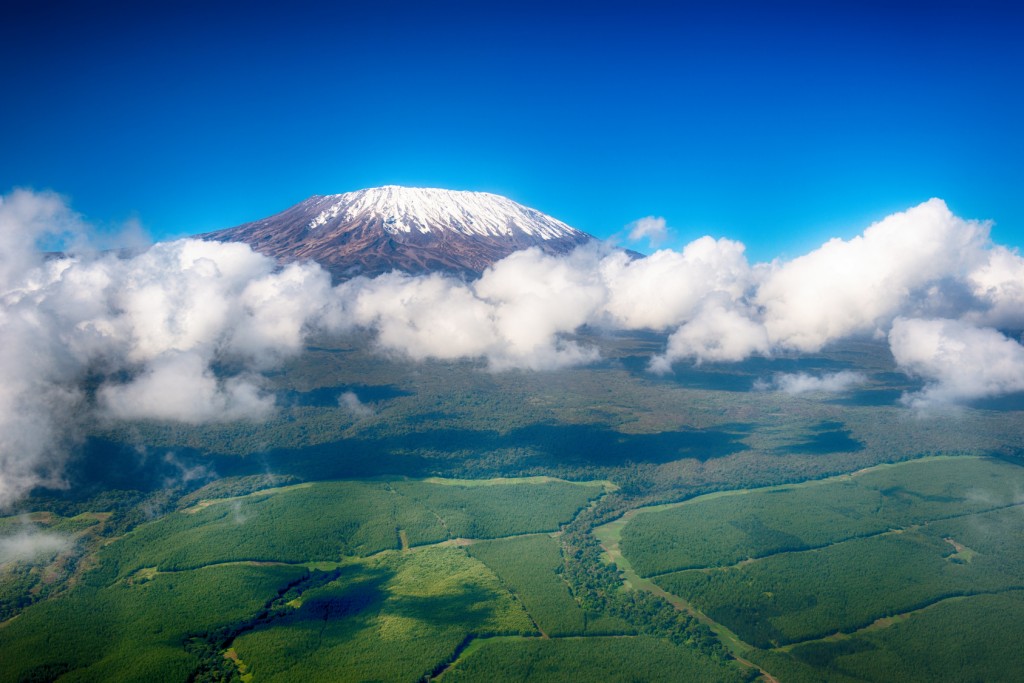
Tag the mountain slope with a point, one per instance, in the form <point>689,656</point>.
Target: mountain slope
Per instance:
<point>415,230</point>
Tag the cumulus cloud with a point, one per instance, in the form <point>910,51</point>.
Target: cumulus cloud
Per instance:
<point>515,316</point>
<point>650,228</point>
<point>668,287</point>
<point>803,383</point>
<point>34,361</point>
<point>31,223</point>
<point>536,298</point>
<point>522,312</point>
<point>858,286</point>
<point>421,317</point>
<point>717,333</point>
<point>999,282</point>
<point>958,361</point>
<point>149,329</point>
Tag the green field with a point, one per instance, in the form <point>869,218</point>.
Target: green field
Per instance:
<point>531,568</point>
<point>979,640</point>
<point>398,617</point>
<point>349,519</point>
<point>294,570</point>
<point>944,528</point>
<point>136,630</point>
<point>614,660</point>
<point>722,530</point>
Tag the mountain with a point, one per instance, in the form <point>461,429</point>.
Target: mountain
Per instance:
<point>416,230</point>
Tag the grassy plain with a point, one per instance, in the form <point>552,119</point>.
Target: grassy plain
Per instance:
<point>975,638</point>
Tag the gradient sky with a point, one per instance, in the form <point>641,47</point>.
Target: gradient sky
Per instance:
<point>778,124</point>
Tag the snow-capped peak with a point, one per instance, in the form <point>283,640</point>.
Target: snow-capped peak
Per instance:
<point>424,210</point>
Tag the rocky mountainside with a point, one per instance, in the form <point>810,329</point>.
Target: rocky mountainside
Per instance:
<point>416,230</point>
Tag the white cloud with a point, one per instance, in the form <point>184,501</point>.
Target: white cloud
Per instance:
<point>515,316</point>
<point>421,317</point>
<point>958,361</point>
<point>183,388</point>
<point>30,222</point>
<point>350,402</point>
<point>999,283</point>
<point>858,286</point>
<point>153,325</point>
<point>803,383</point>
<point>31,545</point>
<point>536,298</point>
<point>717,333</point>
<point>650,228</point>
<point>666,288</point>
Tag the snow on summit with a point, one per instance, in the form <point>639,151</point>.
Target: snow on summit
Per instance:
<point>419,209</point>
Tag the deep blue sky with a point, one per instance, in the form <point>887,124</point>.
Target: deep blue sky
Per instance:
<point>778,124</point>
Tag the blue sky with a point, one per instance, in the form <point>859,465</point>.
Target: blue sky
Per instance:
<point>778,124</point>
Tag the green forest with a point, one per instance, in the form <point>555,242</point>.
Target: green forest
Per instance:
<point>453,531</point>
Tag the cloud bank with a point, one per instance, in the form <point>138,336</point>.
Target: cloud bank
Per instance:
<point>184,330</point>
<point>145,331</point>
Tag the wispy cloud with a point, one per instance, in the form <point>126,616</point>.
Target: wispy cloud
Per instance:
<point>653,229</point>
<point>30,544</point>
<point>350,402</point>
<point>803,383</point>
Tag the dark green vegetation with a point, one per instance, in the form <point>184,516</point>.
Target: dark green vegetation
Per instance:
<point>718,531</point>
<point>960,639</point>
<point>618,660</point>
<point>136,630</point>
<point>328,544</point>
<point>25,582</point>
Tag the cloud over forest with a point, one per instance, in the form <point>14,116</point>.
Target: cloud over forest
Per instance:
<point>152,333</point>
